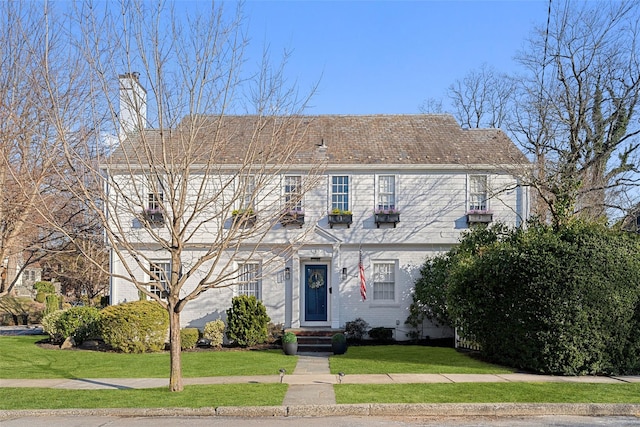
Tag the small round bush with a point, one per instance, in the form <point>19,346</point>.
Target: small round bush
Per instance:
<point>214,332</point>
<point>289,337</point>
<point>356,329</point>
<point>339,338</point>
<point>135,327</point>
<point>189,338</point>
<point>247,321</point>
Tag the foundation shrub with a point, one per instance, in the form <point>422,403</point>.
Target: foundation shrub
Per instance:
<point>79,323</point>
<point>189,338</point>
<point>356,329</point>
<point>247,321</point>
<point>214,332</point>
<point>135,327</point>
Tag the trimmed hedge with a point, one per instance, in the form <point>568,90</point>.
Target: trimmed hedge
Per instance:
<point>189,338</point>
<point>214,332</point>
<point>559,301</point>
<point>135,327</point>
<point>79,323</point>
<point>247,321</point>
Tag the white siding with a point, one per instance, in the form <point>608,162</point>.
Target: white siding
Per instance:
<point>432,204</point>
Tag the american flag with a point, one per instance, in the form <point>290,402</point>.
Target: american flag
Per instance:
<point>363,282</point>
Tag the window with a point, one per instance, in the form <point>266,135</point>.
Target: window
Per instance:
<point>155,196</point>
<point>248,282</point>
<point>477,193</point>
<point>247,190</point>
<point>384,282</point>
<point>340,193</point>
<point>386,192</point>
<point>160,276</point>
<point>293,192</point>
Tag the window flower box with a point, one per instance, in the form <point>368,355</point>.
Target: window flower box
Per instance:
<point>340,217</point>
<point>292,217</point>
<point>387,216</point>
<point>244,217</point>
<point>153,216</point>
<point>479,217</point>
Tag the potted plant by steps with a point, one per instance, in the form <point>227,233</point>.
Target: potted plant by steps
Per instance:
<point>339,344</point>
<point>290,343</point>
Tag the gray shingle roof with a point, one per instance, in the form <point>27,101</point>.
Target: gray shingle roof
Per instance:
<point>336,139</point>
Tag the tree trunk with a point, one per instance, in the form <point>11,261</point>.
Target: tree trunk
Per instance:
<point>175,376</point>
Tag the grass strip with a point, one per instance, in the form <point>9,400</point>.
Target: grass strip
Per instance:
<point>409,359</point>
<point>201,396</point>
<point>21,358</point>
<point>488,393</point>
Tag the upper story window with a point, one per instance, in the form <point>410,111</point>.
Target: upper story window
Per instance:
<point>384,281</point>
<point>248,279</point>
<point>293,192</point>
<point>247,189</point>
<point>386,198</point>
<point>155,196</point>
<point>340,193</point>
<point>159,274</point>
<point>478,193</point>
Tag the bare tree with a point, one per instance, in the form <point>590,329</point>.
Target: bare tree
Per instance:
<point>482,98</point>
<point>583,87</point>
<point>33,56</point>
<point>200,180</point>
<point>574,109</point>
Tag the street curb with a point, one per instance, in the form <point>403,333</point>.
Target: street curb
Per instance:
<point>391,409</point>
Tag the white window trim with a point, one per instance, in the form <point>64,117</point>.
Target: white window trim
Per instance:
<point>151,281</point>
<point>242,186</point>
<point>377,189</point>
<point>486,190</point>
<point>371,284</point>
<point>238,266</point>
<point>349,193</point>
<point>285,204</point>
<point>157,196</point>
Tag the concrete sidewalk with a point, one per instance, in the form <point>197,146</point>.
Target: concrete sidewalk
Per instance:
<point>310,393</point>
<point>312,369</point>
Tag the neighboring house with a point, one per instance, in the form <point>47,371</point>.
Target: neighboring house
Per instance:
<point>429,179</point>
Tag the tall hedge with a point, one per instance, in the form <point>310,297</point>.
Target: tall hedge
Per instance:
<point>247,321</point>
<point>558,301</point>
<point>135,327</point>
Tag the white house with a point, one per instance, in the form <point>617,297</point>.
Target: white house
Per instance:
<point>412,185</point>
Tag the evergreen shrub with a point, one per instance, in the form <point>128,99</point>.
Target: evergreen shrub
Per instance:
<point>559,300</point>
<point>79,323</point>
<point>189,338</point>
<point>135,327</point>
<point>214,332</point>
<point>247,321</point>
<point>356,329</point>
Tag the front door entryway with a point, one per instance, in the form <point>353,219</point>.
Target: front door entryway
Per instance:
<point>315,293</point>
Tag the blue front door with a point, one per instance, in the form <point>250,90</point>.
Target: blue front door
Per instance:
<point>315,293</point>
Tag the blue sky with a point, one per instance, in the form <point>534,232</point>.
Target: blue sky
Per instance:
<point>387,57</point>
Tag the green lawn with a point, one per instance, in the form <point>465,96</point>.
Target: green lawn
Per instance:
<point>401,359</point>
<point>21,358</point>
<point>192,397</point>
<point>488,393</point>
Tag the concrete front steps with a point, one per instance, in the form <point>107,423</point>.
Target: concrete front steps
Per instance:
<point>314,340</point>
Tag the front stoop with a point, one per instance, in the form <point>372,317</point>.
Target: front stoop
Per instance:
<point>314,340</point>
